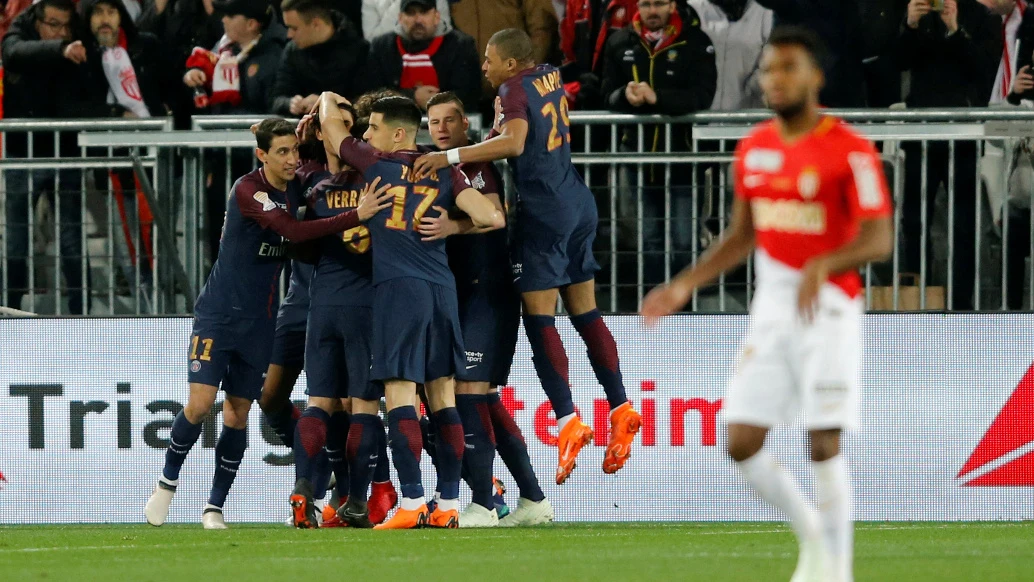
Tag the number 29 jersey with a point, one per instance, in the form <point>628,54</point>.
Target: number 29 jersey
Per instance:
<point>547,181</point>
<point>398,249</point>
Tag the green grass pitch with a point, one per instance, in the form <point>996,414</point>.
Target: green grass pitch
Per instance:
<point>910,552</point>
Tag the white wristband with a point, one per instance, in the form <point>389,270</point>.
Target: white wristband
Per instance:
<point>453,156</point>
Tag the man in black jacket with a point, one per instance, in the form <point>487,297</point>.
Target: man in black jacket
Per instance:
<point>326,53</point>
<point>42,57</point>
<point>453,57</point>
<point>662,63</point>
<point>953,56</point>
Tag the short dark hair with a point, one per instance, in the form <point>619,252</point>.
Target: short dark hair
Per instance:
<point>62,5</point>
<point>513,43</point>
<point>317,126</point>
<point>308,9</point>
<point>799,36</point>
<point>446,97</point>
<point>270,129</point>
<point>399,111</point>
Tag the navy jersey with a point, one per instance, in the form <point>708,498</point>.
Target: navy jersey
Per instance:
<point>344,272</point>
<point>398,249</point>
<point>547,181</point>
<point>294,310</point>
<point>245,279</point>
<point>483,257</point>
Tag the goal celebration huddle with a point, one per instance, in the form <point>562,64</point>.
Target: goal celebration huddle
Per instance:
<point>409,284</point>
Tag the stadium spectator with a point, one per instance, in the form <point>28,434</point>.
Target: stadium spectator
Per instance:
<point>952,55</point>
<point>249,58</point>
<point>325,53</point>
<point>180,25</point>
<point>43,57</point>
<point>739,30</point>
<point>880,22</point>
<point>663,64</point>
<point>483,18</point>
<point>420,60</point>
<point>381,17</point>
<point>838,26</point>
<point>11,10</point>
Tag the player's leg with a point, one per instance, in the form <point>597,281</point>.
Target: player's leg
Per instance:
<point>833,487</point>
<point>337,438</point>
<point>363,454</point>
<point>404,440</point>
<point>479,455</point>
<point>450,443</point>
<point>532,508</point>
<point>276,404</point>
<point>229,451</point>
<point>186,428</point>
<point>580,300</point>
<point>309,439</point>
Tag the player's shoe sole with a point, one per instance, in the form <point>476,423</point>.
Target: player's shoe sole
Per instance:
<point>406,519</point>
<point>624,424</point>
<point>444,519</point>
<point>303,513</point>
<point>157,508</point>
<point>575,435</point>
<point>477,516</point>
<point>212,518</point>
<point>528,513</point>
<point>383,499</point>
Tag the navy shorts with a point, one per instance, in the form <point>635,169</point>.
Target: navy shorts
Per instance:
<point>289,347</point>
<point>416,331</point>
<point>337,353</point>
<point>230,353</point>
<point>490,315</point>
<point>554,253</point>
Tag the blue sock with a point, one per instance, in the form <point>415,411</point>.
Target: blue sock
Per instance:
<point>479,454</point>
<point>513,450</point>
<point>181,438</point>
<point>404,440</point>
<point>382,472</point>
<point>337,435</point>
<point>320,474</point>
<point>309,438</point>
<point>550,361</point>
<point>450,445</point>
<point>429,438</point>
<point>603,355</point>
<point>229,451</point>
<point>365,438</point>
<point>283,422</point>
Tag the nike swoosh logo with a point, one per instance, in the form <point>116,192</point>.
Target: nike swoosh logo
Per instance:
<point>373,457</point>
<point>474,366</point>
<point>467,436</point>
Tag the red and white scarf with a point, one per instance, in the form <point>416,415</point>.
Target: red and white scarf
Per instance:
<point>1007,65</point>
<point>222,69</point>
<point>417,68</point>
<point>123,87</point>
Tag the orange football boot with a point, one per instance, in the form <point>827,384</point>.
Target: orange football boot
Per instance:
<point>624,424</point>
<point>445,519</point>
<point>575,435</point>
<point>406,519</point>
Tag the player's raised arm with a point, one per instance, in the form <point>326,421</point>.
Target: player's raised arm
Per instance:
<point>337,134</point>
<point>735,246</point>
<point>508,144</point>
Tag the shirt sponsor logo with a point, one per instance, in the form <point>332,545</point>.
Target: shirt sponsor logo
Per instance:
<point>763,160</point>
<point>789,216</point>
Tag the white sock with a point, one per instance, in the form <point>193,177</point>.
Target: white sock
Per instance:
<point>835,508</point>
<point>778,487</point>
<point>210,506</point>
<point>562,422</point>
<point>448,504</point>
<point>412,504</point>
<point>170,482</point>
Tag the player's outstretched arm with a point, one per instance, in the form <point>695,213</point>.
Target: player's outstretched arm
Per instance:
<point>735,246</point>
<point>441,226</point>
<point>483,212</point>
<point>508,144</point>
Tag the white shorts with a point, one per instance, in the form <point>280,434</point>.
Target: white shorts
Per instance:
<point>787,366</point>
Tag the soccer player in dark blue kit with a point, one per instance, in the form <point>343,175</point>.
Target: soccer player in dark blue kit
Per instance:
<point>416,335</point>
<point>553,233</point>
<point>490,313</point>
<point>234,316</point>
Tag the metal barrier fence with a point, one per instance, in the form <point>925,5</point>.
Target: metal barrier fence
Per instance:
<point>662,185</point>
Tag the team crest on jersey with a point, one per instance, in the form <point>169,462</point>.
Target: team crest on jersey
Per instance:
<point>808,183</point>
<point>478,182</point>
<point>763,160</point>
<point>195,366</point>
<point>672,55</point>
<point>264,200</point>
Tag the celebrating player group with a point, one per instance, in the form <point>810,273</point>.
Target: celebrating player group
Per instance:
<point>416,293</point>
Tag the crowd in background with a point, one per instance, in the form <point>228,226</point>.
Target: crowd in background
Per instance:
<point>181,58</point>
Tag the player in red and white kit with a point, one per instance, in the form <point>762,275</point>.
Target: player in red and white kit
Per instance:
<point>811,201</point>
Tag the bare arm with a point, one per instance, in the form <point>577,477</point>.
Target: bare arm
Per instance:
<point>508,144</point>
<point>734,248</point>
<point>443,225</point>
<point>332,121</point>
<point>482,211</point>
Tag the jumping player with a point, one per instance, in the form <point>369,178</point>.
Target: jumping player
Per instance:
<point>490,314</point>
<point>234,316</point>
<point>416,336</point>
<point>811,198</point>
<point>553,234</point>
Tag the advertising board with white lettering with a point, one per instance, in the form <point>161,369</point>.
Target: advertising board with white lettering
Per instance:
<point>947,424</point>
